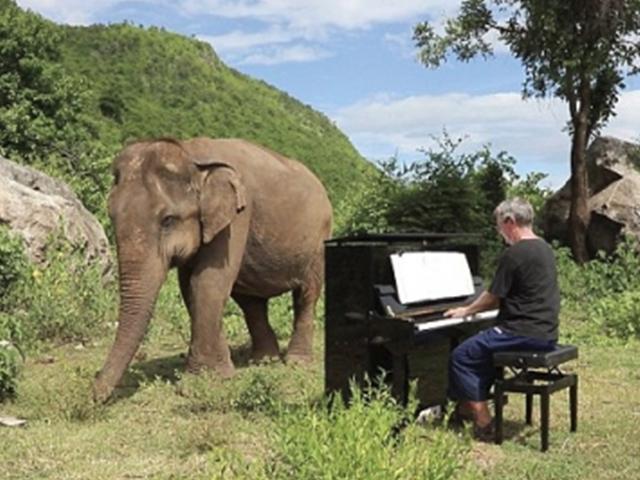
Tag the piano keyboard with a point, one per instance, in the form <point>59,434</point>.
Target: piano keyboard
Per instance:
<point>451,321</point>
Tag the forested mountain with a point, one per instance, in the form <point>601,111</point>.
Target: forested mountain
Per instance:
<point>134,82</point>
<point>150,82</point>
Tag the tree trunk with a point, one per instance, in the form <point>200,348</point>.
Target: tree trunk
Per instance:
<point>579,211</point>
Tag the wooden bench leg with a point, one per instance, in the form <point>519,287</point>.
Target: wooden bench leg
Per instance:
<point>544,420</point>
<point>573,404</point>
<point>529,408</point>
<point>499,399</point>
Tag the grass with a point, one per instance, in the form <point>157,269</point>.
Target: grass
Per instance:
<point>165,424</point>
<point>606,443</point>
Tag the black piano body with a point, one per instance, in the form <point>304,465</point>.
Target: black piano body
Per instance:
<point>371,336</point>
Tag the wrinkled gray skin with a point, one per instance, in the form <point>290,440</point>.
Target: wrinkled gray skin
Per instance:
<point>236,220</point>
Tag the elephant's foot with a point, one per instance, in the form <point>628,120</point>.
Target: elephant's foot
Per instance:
<point>224,368</point>
<point>300,348</point>
<point>265,354</point>
<point>299,358</point>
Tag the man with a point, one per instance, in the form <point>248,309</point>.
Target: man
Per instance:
<point>525,289</point>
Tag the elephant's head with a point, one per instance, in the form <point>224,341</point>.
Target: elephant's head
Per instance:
<point>164,204</point>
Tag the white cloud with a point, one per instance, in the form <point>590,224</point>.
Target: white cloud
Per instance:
<point>239,40</point>
<point>290,22</point>
<point>75,12</point>
<point>344,14</point>
<point>530,130</point>
<point>314,14</point>
<point>274,56</point>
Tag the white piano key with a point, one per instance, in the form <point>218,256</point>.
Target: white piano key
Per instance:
<point>448,322</point>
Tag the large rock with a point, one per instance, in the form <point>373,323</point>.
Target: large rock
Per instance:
<point>614,196</point>
<point>36,206</point>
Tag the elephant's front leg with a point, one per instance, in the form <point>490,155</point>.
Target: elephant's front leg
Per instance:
<point>205,291</point>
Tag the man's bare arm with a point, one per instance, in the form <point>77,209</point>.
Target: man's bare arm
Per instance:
<point>486,301</point>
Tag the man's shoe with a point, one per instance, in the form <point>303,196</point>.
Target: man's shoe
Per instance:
<point>485,434</point>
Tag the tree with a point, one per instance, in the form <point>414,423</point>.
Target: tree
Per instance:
<point>577,50</point>
<point>42,108</point>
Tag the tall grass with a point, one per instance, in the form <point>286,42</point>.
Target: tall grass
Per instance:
<point>600,299</point>
<point>365,440</point>
<point>64,300</point>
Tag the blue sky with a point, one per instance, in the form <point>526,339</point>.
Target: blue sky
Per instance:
<point>354,60</point>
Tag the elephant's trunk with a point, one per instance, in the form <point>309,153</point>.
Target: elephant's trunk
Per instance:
<point>139,287</point>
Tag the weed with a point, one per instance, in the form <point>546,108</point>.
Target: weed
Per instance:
<point>361,441</point>
<point>64,397</point>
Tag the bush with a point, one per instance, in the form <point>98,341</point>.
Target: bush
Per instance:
<point>13,265</point>
<point>362,441</point>
<point>258,389</point>
<point>65,301</point>
<point>10,356</point>
<point>13,269</point>
<point>601,296</point>
<point>64,397</point>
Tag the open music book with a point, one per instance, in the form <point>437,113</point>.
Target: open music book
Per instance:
<point>428,276</point>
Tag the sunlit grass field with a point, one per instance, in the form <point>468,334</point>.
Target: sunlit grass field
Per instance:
<point>272,421</point>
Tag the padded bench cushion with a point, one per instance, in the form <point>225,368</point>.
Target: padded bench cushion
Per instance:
<point>561,354</point>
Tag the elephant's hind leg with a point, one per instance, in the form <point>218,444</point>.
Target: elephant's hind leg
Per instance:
<point>264,344</point>
<point>304,302</point>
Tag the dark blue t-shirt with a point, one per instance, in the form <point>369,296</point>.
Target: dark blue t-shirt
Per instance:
<point>527,285</point>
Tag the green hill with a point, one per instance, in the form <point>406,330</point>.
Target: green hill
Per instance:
<point>150,82</point>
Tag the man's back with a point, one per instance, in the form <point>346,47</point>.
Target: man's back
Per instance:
<point>526,282</point>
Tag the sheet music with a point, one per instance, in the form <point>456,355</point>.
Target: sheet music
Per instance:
<point>448,322</point>
<point>424,276</point>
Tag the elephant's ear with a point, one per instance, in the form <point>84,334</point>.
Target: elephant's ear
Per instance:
<point>222,197</point>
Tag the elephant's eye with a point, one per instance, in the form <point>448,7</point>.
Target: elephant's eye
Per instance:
<point>168,221</point>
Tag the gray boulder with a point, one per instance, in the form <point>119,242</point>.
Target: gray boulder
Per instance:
<point>614,196</point>
<point>35,206</point>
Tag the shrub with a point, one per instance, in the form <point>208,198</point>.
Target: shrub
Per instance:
<point>601,296</point>
<point>618,314</point>
<point>13,269</point>
<point>13,265</point>
<point>10,356</point>
<point>257,389</point>
<point>64,397</point>
<point>362,441</point>
<point>66,300</point>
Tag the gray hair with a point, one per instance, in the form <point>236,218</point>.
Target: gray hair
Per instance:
<point>516,209</point>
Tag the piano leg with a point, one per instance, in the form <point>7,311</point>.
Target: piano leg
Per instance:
<point>400,382</point>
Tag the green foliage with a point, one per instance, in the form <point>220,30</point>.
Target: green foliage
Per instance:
<point>256,389</point>
<point>66,300</point>
<point>361,441</point>
<point>612,288</point>
<point>13,268</point>
<point>13,264</point>
<point>43,108</point>
<point>71,96</point>
<point>10,356</point>
<point>65,397</point>
<point>530,189</point>
<point>448,191</point>
<point>149,82</point>
<point>577,51</point>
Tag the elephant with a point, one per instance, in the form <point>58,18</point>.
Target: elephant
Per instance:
<point>237,220</point>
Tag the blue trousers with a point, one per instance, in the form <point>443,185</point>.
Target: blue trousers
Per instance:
<point>471,370</point>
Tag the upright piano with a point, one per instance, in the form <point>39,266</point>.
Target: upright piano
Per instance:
<point>385,296</point>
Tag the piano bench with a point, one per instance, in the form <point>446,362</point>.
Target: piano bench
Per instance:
<point>535,373</point>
